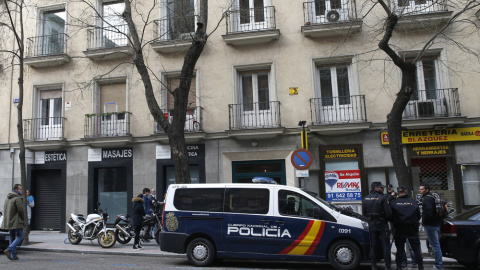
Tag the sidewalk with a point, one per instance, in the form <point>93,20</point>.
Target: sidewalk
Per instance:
<point>57,242</point>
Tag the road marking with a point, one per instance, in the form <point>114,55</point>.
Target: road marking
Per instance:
<point>121,264</point>
<point>65,262</point>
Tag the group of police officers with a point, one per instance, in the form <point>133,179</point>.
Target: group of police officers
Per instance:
<point>396,209</point>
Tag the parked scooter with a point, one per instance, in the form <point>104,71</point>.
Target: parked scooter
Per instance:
<point>91,228</point>
<point>124,231</point>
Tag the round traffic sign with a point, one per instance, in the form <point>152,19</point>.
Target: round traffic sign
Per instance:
<point>302,159</point>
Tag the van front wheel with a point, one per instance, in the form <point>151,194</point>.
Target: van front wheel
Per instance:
<point>200,252</point>
<point>344,255</point>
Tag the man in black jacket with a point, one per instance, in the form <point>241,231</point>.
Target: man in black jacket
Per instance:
<point>375,206</point>
<point>406,215</point>
<point>432,223</point>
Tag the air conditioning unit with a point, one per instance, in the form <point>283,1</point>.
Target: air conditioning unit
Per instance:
<point>426,109</point>
<point>332,16</point>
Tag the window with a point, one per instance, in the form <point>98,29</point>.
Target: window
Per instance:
<point>334,85</point>
<point>410,7</point>
<point>181,18</point>
<point>51,38</point>
<point>113,28</point>
<point>293,204</point>
<point>193,119</point>
<point>253,15</point>
<point>247,200</point>
<point>255,93</point>
<point>111,190</point>
<point>111,104</point>
<point>199,199</point>
<point>49,124</point>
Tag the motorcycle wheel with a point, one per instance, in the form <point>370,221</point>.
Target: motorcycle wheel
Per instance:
<point>121,238</point>
<point>107,239</point>
<point>73,238</point>
<point>157,236</point>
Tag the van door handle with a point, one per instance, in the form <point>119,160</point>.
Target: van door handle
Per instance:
<point>266,220</point>
<point>280,222</point>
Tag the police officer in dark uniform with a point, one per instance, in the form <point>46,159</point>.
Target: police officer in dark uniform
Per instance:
<point>406,216</point>
<point>376,207</point>
<point>391,194</point>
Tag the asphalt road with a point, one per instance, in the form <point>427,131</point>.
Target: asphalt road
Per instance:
<point>51,260</point>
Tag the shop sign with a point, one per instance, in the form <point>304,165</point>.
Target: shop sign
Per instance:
<point>340,153</point>
<point>100,154</point>
<point>435,136</point>
<point>43,157</point>
<point>193,151</point>
<point>430,150</point>
<point>343,185</point>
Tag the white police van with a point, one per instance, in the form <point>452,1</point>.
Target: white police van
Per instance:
<point>258,221</point>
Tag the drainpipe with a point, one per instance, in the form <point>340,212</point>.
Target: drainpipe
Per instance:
<point>12,156</point>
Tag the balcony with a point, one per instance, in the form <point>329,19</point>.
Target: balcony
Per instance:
<point>330,18</point>
<point>193,126</point>
<point>112,129</point>
<point>338,115</point>
<point>433,104</point>
<point>108,43</point>
<point>173,35</point>
<point>44,133</point>
<point>251,26</point>
<point>421,14</point>
<point>47,51</point>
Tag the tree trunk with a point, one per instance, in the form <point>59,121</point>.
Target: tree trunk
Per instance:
<point>176,130</point>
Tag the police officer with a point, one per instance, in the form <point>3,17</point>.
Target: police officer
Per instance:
<point>406,216</point>
<point>376,207</point>
<point>391,194</point>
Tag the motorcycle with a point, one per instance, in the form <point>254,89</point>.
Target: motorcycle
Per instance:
<point>91,228</point>
<point>124,231</point>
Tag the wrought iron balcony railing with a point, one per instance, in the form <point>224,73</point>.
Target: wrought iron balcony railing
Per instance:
<point>251,19</point>
<point>47,45</point>
<point>41,129</point>
<point>107,37</point>
<point>329,11</point>
<point>178,28</point>
<point>416,7</point>
<point>254,115</point>
<point>107,124</point>
<point>433,103</point>
<point>193,122</point>
<point>333,110</point>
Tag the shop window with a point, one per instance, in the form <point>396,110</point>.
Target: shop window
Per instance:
<point>111,190</point>
<point>471,184</point>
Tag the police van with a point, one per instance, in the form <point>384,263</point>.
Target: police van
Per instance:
<point>260,221</point>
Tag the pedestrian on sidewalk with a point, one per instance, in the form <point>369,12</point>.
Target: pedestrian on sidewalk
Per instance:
<point>432,223</point>
<point>13,220</point>
<point>137,219</point>
<point>376,207</point>
<point>406,217</point>
<point>30,205</point>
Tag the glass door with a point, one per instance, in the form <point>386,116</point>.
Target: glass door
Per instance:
<point>50,115</point>
<point>252,15</point>
<point>335,94</point>
<point>111,190</point>
<point>255,100</point>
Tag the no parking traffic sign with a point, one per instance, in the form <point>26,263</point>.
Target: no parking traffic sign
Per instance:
<point>302,159</point>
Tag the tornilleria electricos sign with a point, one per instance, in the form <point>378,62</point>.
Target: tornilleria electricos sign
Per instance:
<point>343,185</point>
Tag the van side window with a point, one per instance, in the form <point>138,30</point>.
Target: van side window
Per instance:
<point>247,200</point>
<point>293,204</point>
<point>199,199</point>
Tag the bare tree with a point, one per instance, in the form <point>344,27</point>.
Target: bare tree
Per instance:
<point>12,21</point>
<point>409,71</point>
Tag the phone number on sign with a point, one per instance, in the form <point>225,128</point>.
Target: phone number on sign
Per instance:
<point>344,196</point>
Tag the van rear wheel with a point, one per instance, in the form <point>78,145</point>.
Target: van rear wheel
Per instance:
<point>200,252</point>
<point>344,255</point>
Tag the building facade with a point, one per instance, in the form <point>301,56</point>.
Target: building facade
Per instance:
<point>270,64</point>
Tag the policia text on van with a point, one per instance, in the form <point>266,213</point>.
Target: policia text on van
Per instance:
<point>255,221</point>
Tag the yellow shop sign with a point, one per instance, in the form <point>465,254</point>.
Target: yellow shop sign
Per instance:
<point>436,136</point>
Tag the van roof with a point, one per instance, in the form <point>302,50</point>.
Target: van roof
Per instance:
<point>236,185</point>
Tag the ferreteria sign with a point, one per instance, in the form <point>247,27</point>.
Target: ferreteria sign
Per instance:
<point>436,136</point>
<point>431,150</point>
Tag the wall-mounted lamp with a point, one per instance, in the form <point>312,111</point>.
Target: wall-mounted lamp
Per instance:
<point>254,143</point>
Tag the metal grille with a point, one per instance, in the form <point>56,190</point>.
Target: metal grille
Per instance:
<point>438,173</point>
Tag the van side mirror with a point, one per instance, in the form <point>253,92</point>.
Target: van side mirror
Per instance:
<point>317,212</point>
